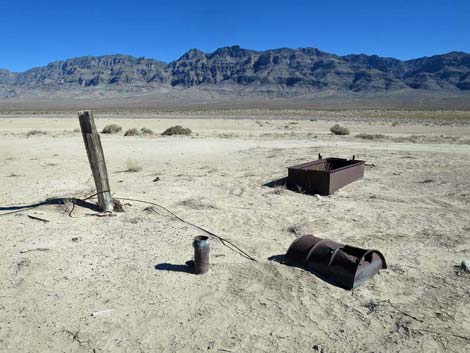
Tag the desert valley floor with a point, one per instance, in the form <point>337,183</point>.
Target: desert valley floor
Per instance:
<point>82,283</point>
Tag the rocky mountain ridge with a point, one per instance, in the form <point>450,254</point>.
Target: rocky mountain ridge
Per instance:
<point>303,70</point>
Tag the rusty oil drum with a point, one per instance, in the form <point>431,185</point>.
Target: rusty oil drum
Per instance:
<point>342,265</point>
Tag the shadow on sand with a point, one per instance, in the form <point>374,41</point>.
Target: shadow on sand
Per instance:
<point>52,201</point>
<point>277,258</point>
<point>278,182</point>
<point>330,280</point>
<point>188,267</point>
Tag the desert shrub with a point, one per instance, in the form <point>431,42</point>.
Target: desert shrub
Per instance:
<point>339,130</point>
<point>133,166</point>
<point>176,130</point>
<point>395,123</point>
<point>370,136</point>
<point>131,132</point>
<point>111,129</point>
<point>146,131</point>
<point>36,132</point>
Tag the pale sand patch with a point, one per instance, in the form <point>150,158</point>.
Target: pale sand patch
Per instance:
<point>50,299</point>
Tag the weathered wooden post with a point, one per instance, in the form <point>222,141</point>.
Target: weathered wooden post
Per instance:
<point>94,150</point>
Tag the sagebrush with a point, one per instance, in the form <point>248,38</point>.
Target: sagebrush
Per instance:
<point>146,131</point>
<point>131,132</point>
<point>339,130</point>
<point>111,129</point>
<point>176,130</point>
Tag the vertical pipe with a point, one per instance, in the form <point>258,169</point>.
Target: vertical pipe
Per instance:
<point>201,254</point>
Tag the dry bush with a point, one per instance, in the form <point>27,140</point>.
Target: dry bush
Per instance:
<point>371,136</point>
<point>111,129</point>
<point>339,130</point>
<point>132,132</point>
<point>35,132</point>
<point>146,131</point>
<point>133,166</point>
<point>176,130</point>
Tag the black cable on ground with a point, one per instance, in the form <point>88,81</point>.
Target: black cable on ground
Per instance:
<point>18,211</point>
<point>224,241</point>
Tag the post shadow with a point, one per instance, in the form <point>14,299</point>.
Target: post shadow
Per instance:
<point>53,201</point>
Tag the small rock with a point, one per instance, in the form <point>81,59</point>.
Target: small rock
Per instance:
<point>102,313</point>
<point>318,348</point>
<point>156,179</point>
<point>318,197</point>
<point>465,266</point>
<point>117,206</point>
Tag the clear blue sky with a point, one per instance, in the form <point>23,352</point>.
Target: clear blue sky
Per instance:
<point>34,33</point>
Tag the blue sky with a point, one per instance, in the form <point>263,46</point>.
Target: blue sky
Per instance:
<point>34,33</point>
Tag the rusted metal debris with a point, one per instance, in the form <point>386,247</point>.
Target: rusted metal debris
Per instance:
<point>201,254</point>
<point>342,265</point>
<point>324,176</point>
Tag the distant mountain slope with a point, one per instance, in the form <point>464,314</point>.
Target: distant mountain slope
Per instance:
<point>93,71</point>
<point>293,70</point>
<point>6,77</point>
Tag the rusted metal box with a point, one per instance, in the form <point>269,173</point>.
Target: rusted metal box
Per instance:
<point>324,176</point>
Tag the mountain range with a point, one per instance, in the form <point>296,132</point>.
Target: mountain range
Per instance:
<point>279,70</point>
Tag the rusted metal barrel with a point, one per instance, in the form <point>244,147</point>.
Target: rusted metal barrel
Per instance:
<point>342,265</point>
<point>201,254</point>
<point>297,254</point>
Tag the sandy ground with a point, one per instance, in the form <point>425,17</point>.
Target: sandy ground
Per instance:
<point>119,284</point>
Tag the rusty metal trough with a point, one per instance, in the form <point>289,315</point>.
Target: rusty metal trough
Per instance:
<point>341,265</point>
<point>324,176</point>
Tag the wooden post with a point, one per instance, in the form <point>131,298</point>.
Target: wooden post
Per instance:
<point>94,150</point>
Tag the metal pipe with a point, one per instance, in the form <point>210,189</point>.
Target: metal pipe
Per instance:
<point>201,254</point>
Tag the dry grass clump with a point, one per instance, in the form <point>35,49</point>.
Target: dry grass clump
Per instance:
<point>132,132</point>
<point>339,130</point>
<point>66,206</point>
<point>133,166</point>
<point>111,129</point>
<point>176,130</point>
<point>197,204</point>
<point>371,136</point>
<point>146,131</point>
<point>35,132</point>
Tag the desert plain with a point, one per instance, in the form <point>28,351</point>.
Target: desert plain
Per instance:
<point>83,283</point>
